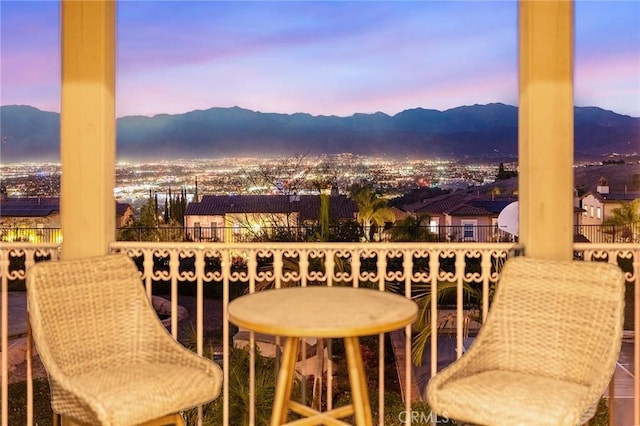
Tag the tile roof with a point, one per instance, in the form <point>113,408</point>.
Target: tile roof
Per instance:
<point>615,196</point>
<point>308,206</point>
<point>461,204</point>
<point>340,207</point>
<point>39,207</point>
<point>493,205</point>
<point>468,210</point>
<point>29,206</point>
<point>31,201</point>
<point>26,210</point>
<point>439,204</point>
<point>218,205</point>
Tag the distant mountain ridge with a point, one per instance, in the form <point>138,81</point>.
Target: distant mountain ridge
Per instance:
<point>476,131</point>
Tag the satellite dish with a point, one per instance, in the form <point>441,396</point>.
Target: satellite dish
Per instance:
<point>508,219</point>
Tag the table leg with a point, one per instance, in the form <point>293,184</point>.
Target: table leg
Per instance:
<point>285,382</point>
<point>358,382</point>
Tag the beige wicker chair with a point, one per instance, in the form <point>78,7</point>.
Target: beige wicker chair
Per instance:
<point>109,359</point>
<point>546,352</point>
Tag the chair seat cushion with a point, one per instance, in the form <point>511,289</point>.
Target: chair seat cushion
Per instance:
<point>133,394</point>
<point>508,398</point>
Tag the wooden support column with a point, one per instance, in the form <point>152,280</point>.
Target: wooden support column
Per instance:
<point>87,127</point>
<point>545,139</point>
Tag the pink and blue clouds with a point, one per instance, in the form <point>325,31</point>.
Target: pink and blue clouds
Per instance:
<point>320,57</point>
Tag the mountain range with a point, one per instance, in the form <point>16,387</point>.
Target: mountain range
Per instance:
<point>477,131</point>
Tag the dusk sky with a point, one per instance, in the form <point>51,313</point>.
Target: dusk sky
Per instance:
<point>322,58</point>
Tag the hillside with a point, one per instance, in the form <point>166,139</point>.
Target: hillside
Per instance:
<point>478,131</point>
<point>621,178</point>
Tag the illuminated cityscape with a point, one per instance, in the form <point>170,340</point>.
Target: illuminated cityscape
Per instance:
<point>135,181</point>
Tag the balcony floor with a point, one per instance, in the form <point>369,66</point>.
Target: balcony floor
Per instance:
<point>17,305</point>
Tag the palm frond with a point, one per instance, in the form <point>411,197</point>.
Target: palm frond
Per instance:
<point>423,325</point>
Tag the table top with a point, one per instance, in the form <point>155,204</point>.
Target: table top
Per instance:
<point>322,311</point>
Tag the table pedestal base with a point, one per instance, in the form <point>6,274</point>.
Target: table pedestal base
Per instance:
<point>360,407</point>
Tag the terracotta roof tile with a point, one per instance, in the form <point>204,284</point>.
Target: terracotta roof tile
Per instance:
<point>468,210</point>
<point>39,207</point>
<point>308,206</point>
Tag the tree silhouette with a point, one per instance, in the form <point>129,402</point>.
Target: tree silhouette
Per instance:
<point>372,209</point>
<point>624,219</point>
<point>505,174</point>
<point>143,228</point>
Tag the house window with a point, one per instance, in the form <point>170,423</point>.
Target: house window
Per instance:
<point>469,229</point>
<point>599,213</point>
<point>584,211</point>
<point>591,211</point>
<point>433,226</point>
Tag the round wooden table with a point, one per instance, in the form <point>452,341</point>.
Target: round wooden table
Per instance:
<point>328,312</point>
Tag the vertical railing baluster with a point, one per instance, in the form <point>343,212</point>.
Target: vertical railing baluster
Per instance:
<point>330,272</point>
<point>329,266</point>
<point>382,273</point>
<point>355,267</point>
<point>174,266</point>
<point>147,265</point>
<point>485,268</point>
<point>304,266</point>
<point>434,267</point>
<point>29,377</point>
<point>199,272</point>
<point>407,267</point>
<point>252,266</point>
<point>225,264</point>
<point>199,275</point>
<point>636,338</point>
<point>460,264</point>
<point>278,267</point>
<point>611,411</point>
<point>29,261</point>
<point>4,308</point>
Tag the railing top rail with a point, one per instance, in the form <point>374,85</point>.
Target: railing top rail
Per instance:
<point>342,245</point>
<point>606,246</point>
<point>4,245</point>
<point>315,245</point>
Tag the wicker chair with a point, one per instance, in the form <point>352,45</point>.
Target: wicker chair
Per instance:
<point>547,351</point>
<point>109,359</point>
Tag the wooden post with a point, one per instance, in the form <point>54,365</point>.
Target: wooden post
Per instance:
<point>87,127</point>
<point>545,135</point>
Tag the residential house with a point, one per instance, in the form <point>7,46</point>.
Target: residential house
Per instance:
<point>598,205</point>
<point>237,217</point>
<point>37,219</point>
<point>463,216</point>
<point>30,212</point>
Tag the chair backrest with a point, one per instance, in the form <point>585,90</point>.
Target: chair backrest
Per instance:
<point>88,313</point>
<point>567,312</point>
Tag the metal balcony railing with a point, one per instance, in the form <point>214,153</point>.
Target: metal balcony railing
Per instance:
<point>202,278</point>
<point>31,235</point>
<point>626,233</point>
